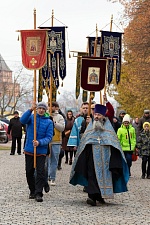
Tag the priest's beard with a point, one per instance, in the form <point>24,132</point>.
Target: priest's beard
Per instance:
<point>98,125</point>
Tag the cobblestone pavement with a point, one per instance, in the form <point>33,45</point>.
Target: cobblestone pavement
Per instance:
<point>66,204</point>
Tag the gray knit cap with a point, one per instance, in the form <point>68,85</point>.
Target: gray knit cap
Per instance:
<point>42,105</point>
<point>146,111</point>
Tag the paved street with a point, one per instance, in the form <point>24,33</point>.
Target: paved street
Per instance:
<point>66,204</point>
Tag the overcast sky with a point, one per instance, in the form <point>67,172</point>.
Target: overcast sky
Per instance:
<point>79,16</point>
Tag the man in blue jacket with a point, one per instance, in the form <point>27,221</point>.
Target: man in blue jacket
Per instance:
<point>44,134</point>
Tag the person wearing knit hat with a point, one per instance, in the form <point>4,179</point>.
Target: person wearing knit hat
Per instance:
<point>142,120</point>
<point>143,145</point>
<point>42,105</point>
<point>146,125</point>
<point>127,137</point>
<point>44,134</point>
<point>126,118</point>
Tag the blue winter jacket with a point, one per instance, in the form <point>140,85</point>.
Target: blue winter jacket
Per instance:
<point>44,132</point>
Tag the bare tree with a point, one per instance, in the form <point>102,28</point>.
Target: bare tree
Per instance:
<point>15,94</point>
<point>67,100</point>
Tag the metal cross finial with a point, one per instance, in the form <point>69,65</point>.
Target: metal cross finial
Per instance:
<point>98,139</point>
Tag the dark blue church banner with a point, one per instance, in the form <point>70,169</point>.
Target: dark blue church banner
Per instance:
<point>56,46</point>
<point>91,46</point>
<point>111,48</point>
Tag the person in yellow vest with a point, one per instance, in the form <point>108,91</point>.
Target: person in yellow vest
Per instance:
<point>59,126</point>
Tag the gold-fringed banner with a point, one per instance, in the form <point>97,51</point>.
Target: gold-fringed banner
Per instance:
<point>40,86</point>
<point>92,95</point>
<point>93,72</point>
<point>78,72</point>
<point>54,92</point>
<point>84,96</point>
<point>34,48</point>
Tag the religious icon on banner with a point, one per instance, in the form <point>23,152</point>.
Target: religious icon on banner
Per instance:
<point>33,45</point>
<point>93,75</point>
<point>111,46</point>
<point>34,48</point>
<point>53,44</point>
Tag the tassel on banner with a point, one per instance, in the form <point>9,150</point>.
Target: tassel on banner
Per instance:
<point>18,38</point>
<point>62,84</point>
<point>58,92</point>
<point>69,55</point>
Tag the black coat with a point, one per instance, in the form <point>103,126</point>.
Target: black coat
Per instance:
<point>15,127</point>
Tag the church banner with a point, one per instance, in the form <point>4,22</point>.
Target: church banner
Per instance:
<point>111,48</point>
<point>93,73</point>
<point>56,46</point>
<point>34,48</point>
<point>91,46</point>
<point>78,72</point>
<point>40,86</point>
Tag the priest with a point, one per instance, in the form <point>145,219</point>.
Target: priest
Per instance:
<point>100,164</point>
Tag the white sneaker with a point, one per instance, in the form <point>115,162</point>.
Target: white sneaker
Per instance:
<point>52,183</point>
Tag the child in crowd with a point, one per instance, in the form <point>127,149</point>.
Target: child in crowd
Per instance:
<point>127,137</point>
<point>143,145</point>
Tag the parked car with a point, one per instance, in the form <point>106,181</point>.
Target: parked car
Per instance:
<point>6,129</point>
<point>5,120</point>
<point>3,133</point>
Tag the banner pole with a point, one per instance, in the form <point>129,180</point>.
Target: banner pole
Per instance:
<point>35,99</point>
<point>111,22</point>
<point>95,49</point>
<point>50,71</point>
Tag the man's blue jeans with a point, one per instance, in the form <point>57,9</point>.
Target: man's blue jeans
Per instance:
<point>53,161</point>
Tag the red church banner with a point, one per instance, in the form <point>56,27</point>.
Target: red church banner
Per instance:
<point>34,48</point>
<point>93,73</point>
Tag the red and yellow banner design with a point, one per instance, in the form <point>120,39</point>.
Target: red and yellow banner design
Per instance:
<point>34,48</point>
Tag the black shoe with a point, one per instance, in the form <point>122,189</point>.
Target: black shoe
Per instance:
<point>19,153</point>
<point>102,201</point>
<point>91,202</point>
<point>46,188</point>
<point>143,176</point>
<point>31,196</point>
<point>11,153</point>
<point>38,198</point>
<point>59,167</point>
<point>148,177</point>
<point>70,162</point>
<point>66,162</point>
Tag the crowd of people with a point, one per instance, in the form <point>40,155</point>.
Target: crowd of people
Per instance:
<point>97,144</point>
